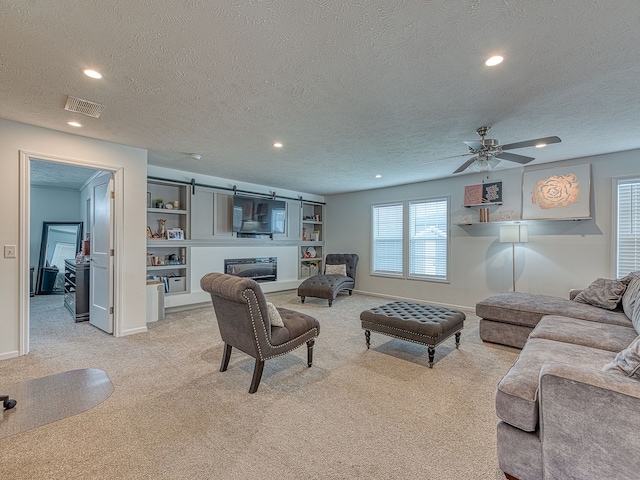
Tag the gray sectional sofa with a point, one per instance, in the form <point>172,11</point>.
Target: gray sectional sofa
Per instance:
<point>569,408</point>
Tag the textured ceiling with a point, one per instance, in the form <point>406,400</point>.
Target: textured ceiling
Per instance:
<point>49,174</point>
<point>352,88</point>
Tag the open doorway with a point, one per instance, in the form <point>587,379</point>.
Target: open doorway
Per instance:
<point>61,195</point>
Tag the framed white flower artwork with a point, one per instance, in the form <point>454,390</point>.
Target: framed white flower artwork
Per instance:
<point>557,193</point>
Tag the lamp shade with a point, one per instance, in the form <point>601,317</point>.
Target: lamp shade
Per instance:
<point>514,234</point>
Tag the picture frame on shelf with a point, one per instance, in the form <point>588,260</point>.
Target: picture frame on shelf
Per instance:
<point>483,193</point>
<point>473,194</point>
<point>148,199</point>
<point>557,193</point>
<point>175,234</point>
<point>492,192</point>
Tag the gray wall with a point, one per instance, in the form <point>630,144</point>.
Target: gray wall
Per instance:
<point>50,205</point>
<point>560,255</point>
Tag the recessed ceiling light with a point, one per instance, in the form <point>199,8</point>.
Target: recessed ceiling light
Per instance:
<point>378,176</point>
<point>540,145</point>
<point>493,61</point>
<point>74,124</point>
<point>195,156</point>
<point>277,145</point>
<point>92,73</point>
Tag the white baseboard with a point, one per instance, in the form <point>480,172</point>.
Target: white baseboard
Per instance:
<point>464,308</point>
<point>133,331</point>
<point>7,355</point>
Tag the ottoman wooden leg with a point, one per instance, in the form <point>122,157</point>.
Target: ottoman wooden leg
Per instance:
<point>367,336</point>
<point>310,344</point>
<point>458,339</point>
<point>432,353</point>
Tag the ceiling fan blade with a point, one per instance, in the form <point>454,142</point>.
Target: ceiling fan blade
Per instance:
<point>456,156</point>
<point>531,143</point>
<point>514,157</point>
<point>465,165</point>
<point>475,144</point>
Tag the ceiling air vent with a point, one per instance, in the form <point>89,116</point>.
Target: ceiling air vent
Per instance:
<point>84,107</point>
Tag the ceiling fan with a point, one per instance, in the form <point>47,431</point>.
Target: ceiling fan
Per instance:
<point>488,152</point>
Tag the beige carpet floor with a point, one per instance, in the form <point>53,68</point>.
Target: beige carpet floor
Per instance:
<point>356,414</point>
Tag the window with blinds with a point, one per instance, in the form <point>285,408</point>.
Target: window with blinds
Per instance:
<point>387,245</point>
<point>428,238</point>
<point>628,231</point>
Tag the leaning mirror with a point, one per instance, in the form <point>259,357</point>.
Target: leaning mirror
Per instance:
<point>60,241</point>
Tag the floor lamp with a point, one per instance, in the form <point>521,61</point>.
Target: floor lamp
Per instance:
<point>514,234</point>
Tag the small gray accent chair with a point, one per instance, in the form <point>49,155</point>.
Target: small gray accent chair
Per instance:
<point>241,311</point>
<point>328,286</point>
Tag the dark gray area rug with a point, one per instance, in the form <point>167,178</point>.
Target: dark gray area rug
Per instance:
<point>52,398</point>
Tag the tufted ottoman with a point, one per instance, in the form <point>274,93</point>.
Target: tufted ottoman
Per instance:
<point>424,324</point>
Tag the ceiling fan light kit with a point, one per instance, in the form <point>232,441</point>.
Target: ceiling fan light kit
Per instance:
<point>489,152</point>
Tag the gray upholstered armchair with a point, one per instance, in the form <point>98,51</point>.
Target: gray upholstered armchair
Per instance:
<point>329,284</point>
<point>244,323</point>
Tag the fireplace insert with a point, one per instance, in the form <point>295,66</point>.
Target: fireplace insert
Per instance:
<point>263,269</point>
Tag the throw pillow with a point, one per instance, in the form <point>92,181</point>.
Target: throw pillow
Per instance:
<point>602,293</point>
<point>627,361</point>
<point>635,319</point>
<point>335,270</point>
<point>274,315</point>
<point>630,295</point>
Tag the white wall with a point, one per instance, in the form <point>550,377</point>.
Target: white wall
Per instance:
<point>16,137</point>
<point>559,256</point>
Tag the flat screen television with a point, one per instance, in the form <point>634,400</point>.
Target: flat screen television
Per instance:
<point>258,216</point>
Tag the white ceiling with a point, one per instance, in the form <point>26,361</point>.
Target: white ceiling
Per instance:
<point>351,87</point>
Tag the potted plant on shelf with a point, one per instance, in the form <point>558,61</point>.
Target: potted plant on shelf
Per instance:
<point>159,202</point>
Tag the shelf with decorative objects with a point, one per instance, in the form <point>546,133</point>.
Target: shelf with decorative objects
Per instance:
<point>312,222</point>
<point>516,221</point>
<point>311,259</point>
<point>312,235</point>
<point>486,204</point>
<point>167,232</point>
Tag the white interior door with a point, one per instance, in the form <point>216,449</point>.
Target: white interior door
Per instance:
<point>101,266</point>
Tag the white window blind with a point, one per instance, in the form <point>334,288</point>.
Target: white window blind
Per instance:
<point>628,246</point>
<point>428,243</point>
<point>387,239</point>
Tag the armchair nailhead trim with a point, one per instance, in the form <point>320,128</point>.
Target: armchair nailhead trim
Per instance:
<point>254,326</point>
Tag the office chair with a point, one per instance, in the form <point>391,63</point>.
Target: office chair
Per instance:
<point>7,403</point>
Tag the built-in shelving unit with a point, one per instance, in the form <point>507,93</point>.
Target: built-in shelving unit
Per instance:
<point>312,240</point>
<point>168,254</point>
<point>204,216</point>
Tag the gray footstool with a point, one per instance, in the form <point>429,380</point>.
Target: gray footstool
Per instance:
<point>418,323</point>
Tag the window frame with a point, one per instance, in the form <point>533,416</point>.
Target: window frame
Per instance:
<point>442,278</point>
<point>405,272</point>
<point>616,267</point>
<point>372,265</point>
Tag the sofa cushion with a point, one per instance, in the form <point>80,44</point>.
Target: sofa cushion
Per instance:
<point>627,361</point>
<point>631,293</point>
<point>517,395</point>
<point>584,332</point>
<point>603,293</point>
<point>528,308</point>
